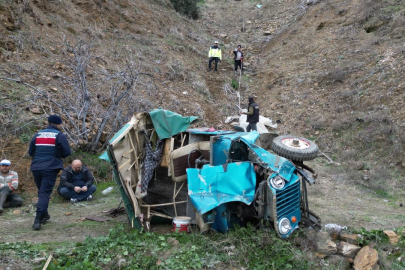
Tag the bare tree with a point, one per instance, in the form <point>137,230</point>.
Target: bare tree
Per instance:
<point>94,108</point>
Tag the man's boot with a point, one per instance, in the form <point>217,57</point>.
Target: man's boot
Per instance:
<point>37,221</point>
<point>3,198</point>
<point>45,217</point>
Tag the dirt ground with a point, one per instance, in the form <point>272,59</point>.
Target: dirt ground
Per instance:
<point>347,203</point>
<point>68,221</point>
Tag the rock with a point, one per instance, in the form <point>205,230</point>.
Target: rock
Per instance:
<point>53,89</point>
<point>35,110</point>
<point>223,36</point>
<point>324,245</point>
<point>358,165</point>
<point>121,263</point>
<point>246,64</point>
<point>16,212</point>
<point>350,238</point>
<point>347,249</point>
<point>68,214</point>
<point>372,25</point>
<point>366,259</point>
<point>339,261</point>
<point>267,33</point>
<point>394,238</point>
<point>59,66</point>
<point>16,141</point>
<point>172,241</point>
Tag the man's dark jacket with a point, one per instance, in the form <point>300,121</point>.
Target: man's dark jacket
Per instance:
<point>48,151</point>
<point>254,118</point>
<point>66,178</point>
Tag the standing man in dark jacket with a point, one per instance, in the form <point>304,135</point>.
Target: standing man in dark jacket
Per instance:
<point>252,115</point>
<point>238,57</point>
<point>47,148</point>
<point>76,183</point>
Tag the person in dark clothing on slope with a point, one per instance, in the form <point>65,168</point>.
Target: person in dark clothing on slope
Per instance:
<point>252,115</point>
<point>238,57</point>
<point>47,148</point>
<point>76,183</point>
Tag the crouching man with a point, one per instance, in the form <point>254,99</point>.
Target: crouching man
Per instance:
<point>76,183</point>
<point>8,184</point>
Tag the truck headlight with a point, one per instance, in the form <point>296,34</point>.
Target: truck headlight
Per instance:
<point>284,226</point>
<point>277,182</point>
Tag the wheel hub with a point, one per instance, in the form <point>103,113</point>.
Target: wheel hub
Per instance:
<point>295,143</point>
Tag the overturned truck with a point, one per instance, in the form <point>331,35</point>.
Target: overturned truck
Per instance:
<point>218,178</point>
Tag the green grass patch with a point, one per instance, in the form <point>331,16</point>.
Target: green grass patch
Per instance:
<point>242,247</point>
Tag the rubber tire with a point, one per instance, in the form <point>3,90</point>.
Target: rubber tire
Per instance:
<point>294,154</point>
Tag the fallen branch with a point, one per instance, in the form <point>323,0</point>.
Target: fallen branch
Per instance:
<point>47,262</point>
<point>328,158</point>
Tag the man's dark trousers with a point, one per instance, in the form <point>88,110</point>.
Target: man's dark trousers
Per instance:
<point>13,200</point>
<point>71,194</point>
<point>45,181</point>
<point>251,126</point>
<point>238,63</point>
<point>216,59</point>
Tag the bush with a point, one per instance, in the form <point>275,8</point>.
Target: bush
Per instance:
<point>188,8</point>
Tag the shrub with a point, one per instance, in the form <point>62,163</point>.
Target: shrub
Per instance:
<point>235,84</point>
<point>188,8</point>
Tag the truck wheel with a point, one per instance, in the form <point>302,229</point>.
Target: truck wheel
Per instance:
<point>294,148</point>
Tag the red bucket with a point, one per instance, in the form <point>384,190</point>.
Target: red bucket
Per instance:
<point>181,224</point>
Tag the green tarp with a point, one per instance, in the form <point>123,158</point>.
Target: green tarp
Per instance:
<point>167,123</point>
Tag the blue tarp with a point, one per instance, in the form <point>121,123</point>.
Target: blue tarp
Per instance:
<point>212,185</point>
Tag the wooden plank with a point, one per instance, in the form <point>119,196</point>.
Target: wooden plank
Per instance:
<point>127,152</point>
<point>133,198</point>
<point>123,164</point>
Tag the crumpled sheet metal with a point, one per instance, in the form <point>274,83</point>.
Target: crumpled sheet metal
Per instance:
<point>212,186</point>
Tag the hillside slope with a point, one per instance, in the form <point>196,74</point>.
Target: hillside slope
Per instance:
<point>331,71</point>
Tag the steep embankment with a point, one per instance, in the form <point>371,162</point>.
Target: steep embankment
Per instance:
<point>331,71</point>
<point>80,56</point>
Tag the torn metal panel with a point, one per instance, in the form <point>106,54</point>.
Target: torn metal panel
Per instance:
<point>212,186</point>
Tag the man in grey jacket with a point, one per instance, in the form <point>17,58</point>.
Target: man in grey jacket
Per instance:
<point>8,184</point>
<point>76,183</point>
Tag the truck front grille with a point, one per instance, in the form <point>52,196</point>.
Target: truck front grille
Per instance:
<point>288,200</point>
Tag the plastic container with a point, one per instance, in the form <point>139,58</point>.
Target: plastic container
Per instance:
<point>107,190</point>
<point>181,224</point>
